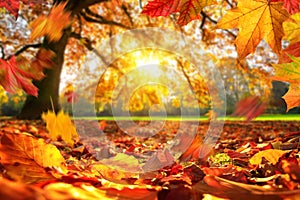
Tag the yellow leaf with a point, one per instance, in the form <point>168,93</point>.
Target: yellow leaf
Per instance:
<point>271,155</point>
<point>292,28</point>
<point>25,157</point>
<point>60,125</point>
<point>256,20</point>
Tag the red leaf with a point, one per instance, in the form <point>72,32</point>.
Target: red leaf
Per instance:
<point>11,6</point>
<point>164,8</point>
<point>292,49</point>
<point>292,6</point>
<point>16,78</point>
<point>249,107</point>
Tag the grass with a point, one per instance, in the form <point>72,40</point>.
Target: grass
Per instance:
<point>277,117</point>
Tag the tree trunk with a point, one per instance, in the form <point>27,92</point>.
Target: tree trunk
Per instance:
<point>48,97</point>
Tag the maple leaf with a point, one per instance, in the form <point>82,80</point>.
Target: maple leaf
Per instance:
<point>250,107</point>
<point>292,6</point>
<point>60,126</point>
<point>289,72</point>
<point>14,77</point>
<point>292,49</point>
<point>256,20</point>
<point>292,28</point>
<point>189,9</point>
<point>271,155</point>
<point>25,157</point>
<point>53,25</point>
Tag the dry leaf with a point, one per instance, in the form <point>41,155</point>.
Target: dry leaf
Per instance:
<point>25,157</point>
<point>60,126</point>
<point>271,155</point>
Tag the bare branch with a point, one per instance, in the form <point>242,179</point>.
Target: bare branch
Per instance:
<point>124,8</point>
<point>205,16</point>
<point>2,51</point>
<point>80,5</point>
<point>24,48</point>
<point>89,16</point>
<point>87,43</point>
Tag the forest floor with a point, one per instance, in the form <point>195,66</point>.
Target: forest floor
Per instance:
<point>171,160</point>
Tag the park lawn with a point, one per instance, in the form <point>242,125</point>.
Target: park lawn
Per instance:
<point>267,117</point>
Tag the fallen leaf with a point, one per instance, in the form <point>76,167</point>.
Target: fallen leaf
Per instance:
<point>25,157</point>
<point>60,126</point>
<point>256,20</point>
<point>271,155</point>
<point>16,191</point>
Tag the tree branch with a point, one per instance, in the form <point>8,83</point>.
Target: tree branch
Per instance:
<point>2,51</point>
<point>124,8</point>
<point>24,48</point>
<point>205,16</point>
<point>89,16</point>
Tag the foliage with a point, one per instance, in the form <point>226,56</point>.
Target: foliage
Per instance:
<point>60,126</point>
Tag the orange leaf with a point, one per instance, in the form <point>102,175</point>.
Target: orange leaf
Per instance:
<point>51,26</point>
<point>25,157</point>
<point>256,20</point>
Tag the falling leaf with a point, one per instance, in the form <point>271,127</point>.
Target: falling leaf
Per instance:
<point>189,9</point>
<point>60,126</point>
<point>292,28</point>
<point>290,72</point>
<point>53,25</point>
<point>13,77</point>
<point>249,107</point>
<point>256,20</point>
<point>271,155</point>
<point>43,59</point>
<point>25,157</point>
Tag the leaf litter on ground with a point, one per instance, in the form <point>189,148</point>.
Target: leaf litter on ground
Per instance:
<point>258,160</point>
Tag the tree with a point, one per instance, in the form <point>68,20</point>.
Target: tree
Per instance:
<point>85,23</point>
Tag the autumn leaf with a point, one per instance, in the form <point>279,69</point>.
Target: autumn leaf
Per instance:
<point>25,157</point>
<point>189,9</point>
<point>292,49</point>
<point>12,77</point>
<point>290,72</point>
<point>249,107</point>
<point>256,20</point>
<point>292,28</point>
<point>60,126</point>
<point>11,6</point>
<point>271,155</point>
<point>292,6</point>
<point>53,25</point>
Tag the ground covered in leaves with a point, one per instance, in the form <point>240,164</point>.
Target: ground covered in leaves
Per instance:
<point>254,160</point>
